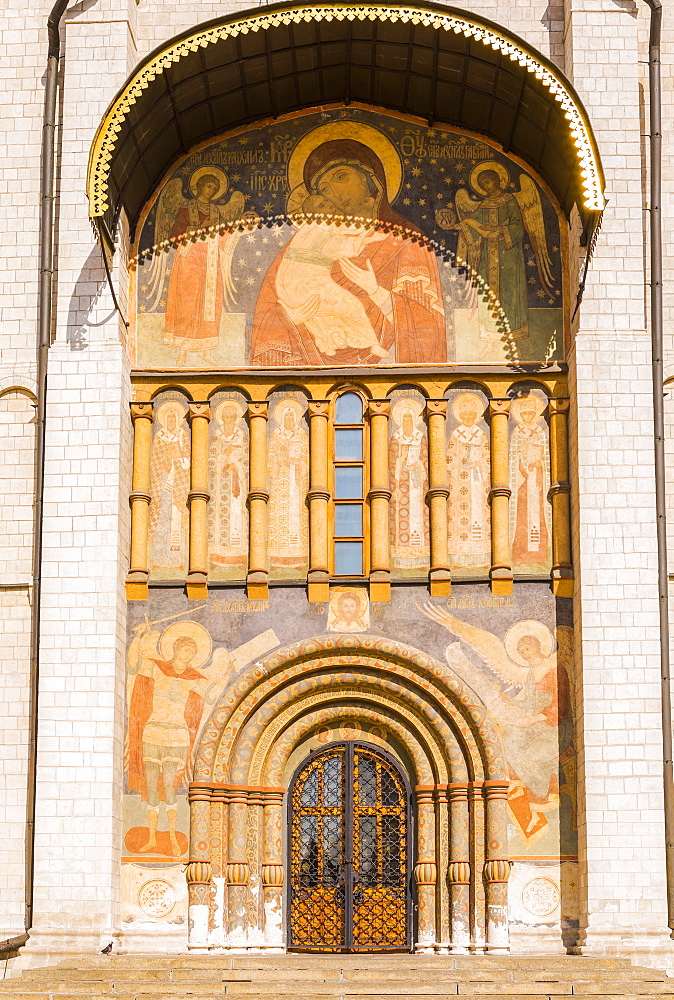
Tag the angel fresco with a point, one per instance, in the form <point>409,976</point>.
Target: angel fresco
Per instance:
<point>200,283</point>
<point>174,678</point>
<point>345,290</point>
<point>491,232</point>
<point>525,684</point>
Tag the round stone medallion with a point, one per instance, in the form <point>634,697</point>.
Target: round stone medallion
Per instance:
<point>541,897</point>
<point>157,898</point>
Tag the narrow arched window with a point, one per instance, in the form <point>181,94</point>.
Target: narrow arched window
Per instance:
<point>349,486</point>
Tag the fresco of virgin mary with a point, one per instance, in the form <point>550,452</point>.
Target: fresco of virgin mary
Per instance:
<point>352,256</point>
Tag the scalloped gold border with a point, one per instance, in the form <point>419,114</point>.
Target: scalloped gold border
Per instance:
<point>103,146</point>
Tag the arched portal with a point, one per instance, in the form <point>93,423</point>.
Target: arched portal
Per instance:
<point>310,694</point>
<point>349,852</point>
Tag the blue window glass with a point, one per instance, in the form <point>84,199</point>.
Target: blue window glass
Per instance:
<point>348,444</point>
<point>349,409</point>
<point>348,482</point>
<point>349,519</point>
<point>348,558</point>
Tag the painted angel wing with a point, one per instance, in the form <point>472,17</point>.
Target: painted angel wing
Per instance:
<point>465,205</point>
<point>529,201</point>
<point>170,202</point>
<point>488,646</point>
<point>234,208</point>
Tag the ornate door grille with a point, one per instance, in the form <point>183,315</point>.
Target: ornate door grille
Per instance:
<point>349,869</point>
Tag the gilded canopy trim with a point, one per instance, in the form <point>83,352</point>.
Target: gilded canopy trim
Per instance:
<point>105,142</point>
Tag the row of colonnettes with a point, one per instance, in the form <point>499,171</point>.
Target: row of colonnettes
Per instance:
<point>468,486</point>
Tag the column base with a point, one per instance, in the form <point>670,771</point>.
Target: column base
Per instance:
<point>562,581</point>
<point>257,586</point>
<point>197,586</point>
<point>136,585</point>
<point>501,579</point>
<point>318,586</point>
<point>380,586</point>
<point>440,582</point>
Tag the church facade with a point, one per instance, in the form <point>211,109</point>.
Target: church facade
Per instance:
<point>331,572</point>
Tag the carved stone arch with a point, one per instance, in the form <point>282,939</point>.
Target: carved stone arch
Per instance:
<point>252,686</point>
<point>236,836</point>
<point>276,760</point>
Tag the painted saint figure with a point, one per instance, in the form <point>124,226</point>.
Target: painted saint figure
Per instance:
<point>527,689</point>
<point>530,482</point>
<point>228,485</point>
<point>288,455</point>
<point>169,487</point>
<point>165,711</point>
<point>491,235</point>
<point>468,468</point>
<point>349,610</point>
<point>408,474</point>
<point>200,284</point>
<point>394,279</point>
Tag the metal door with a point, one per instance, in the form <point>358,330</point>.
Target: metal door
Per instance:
<point>349,866</point>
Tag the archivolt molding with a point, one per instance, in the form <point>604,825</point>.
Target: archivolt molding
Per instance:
<point>103,148</point>
<point>433,745</point>
<point>271,769</point>
<point>334,653</point>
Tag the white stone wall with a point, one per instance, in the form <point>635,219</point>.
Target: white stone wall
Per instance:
<point>16,516</point>
<point>88,467</point>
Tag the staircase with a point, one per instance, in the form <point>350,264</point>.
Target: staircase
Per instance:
<point>343,977</point>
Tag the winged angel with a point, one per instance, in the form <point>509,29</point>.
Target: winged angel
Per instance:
<point>491,232</point>
<point>527,691</point>
<point>200,282</point>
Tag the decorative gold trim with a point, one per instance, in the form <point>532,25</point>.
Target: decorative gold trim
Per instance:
<point>103,146</point>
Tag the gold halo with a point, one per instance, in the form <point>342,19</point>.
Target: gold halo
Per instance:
<point>358,593</point>
<point>169,406</point>
<point>217,172</point>
<point>488,165</point>
<point>367,134</point>
<point>473,396</point>
<point>186,630</point>
<point>228,402</point>
<point>521,629</point>
<point>401,406</point>
<point>288,403</point>
<point>535,403</point>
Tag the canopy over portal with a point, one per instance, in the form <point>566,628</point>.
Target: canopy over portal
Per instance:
<point>431,62</point>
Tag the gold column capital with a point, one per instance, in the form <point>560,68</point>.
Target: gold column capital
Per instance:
<point>378,408</point>
<point>434,406</point>
<point>319,408</point>
<point>199,410</point>
<point>258,408</point>
<point>499,407</point>
<point>138,410</point>
<point>559,405</point>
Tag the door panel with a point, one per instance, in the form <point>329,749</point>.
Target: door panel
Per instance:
<point>349,869</point>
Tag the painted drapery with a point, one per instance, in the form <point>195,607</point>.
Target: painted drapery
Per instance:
<point>468,473</point>
<point>228,487</point>
<point>288,463</point>
<point>169,487</point>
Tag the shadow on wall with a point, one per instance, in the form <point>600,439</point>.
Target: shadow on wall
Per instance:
<point>82,312</point>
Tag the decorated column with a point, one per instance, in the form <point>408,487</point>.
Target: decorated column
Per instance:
<point>198,871</point>
<point>560,493</point>
<point>425,871</point>
<point>319,497</point>
<point>257,581</point>
<point>501,574</point>
<point>380,497</point>
<point>136,581</point>
<point>438,493</point>
<point>497,866</point>
<point>272,869</point>
<point>459,867</point>
<point>197,578</point>
<point>237,868</point>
